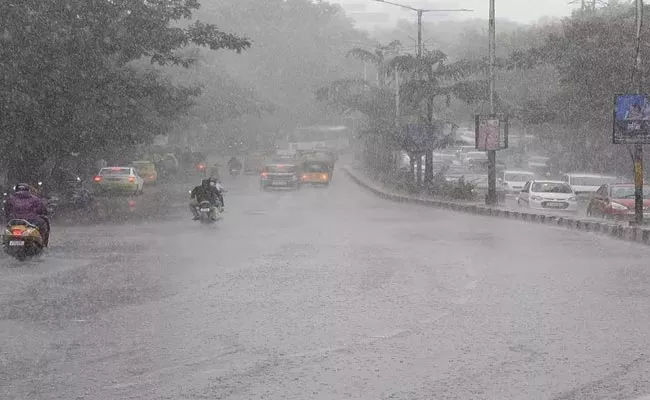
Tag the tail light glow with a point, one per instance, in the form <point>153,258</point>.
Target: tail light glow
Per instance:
<point>200,166</point>
<point>97,178</point>
<point>131,179</point>
<point>264,174</point>
<point>323,176</point>
<point>17,232</point>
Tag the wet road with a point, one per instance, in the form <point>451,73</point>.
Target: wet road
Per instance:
<point>326,294</point>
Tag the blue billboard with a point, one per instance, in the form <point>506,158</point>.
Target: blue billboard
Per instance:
<point>632,119</point>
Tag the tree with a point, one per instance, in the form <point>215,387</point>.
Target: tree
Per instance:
<point>69,84</point>
<point>593,56</point>
<point>429,77</point>
<point>378,58</point>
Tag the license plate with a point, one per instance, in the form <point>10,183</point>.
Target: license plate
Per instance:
<point>276,183</point>
<point>18,243</point>
<point>205,210</point>
<point>555,205</point>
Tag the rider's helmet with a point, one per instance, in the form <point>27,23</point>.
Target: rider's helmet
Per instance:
<point>212,181</point>
<point>22,187</point>
<point>205,182</point>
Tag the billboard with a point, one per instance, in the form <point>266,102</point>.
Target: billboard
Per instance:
<point>491,132</point>
<point>631,119</point>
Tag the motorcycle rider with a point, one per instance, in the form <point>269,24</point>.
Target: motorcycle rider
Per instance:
<point>207,191</point>
<point>22,204</point>
<point>234,163</point>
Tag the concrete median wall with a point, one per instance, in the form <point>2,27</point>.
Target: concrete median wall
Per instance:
<point>618,231</point>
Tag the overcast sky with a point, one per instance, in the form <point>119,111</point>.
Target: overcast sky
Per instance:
<point>369,12</point>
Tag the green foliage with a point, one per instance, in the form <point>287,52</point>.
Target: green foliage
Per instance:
<point>69,83</point>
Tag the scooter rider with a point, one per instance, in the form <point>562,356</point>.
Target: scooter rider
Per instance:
<point>22,204</point>
<point>207,191</point>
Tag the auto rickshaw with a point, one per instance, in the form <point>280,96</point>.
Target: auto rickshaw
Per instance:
<point>315,172</point>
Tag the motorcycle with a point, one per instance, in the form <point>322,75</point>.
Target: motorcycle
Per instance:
<point>208,213</point>
<point>234,171</point>
<point>22,240</point>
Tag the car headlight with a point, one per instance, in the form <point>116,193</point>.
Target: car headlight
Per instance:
<point>537,198</point>
<point>617,206</point>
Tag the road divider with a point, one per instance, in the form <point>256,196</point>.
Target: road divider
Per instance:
<point>611,229</point>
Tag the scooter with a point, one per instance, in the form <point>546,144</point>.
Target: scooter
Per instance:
<point>22,240</point>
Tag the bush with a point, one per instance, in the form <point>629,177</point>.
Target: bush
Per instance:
<point>457,190</point>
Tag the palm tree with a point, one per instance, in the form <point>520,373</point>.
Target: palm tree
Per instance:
<point>430,77</point>
<point>377,57</point>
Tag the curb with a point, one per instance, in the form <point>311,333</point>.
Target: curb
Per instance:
<point>628,233</point>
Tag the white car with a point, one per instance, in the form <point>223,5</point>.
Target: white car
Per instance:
<point>548,195</point>
<point>514,181</point>
<point>587,184</point>
<point>118,179</point>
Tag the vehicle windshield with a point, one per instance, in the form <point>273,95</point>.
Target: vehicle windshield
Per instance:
<point>551,187</point>
<point>144,167</point>
<point>591,181</point>
<point>315,167</point>
<point>115,171</point>
<point>279,169</point>
<point>627,192</point>
<point>518,177</point>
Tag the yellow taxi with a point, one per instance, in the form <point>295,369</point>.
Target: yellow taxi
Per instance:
<point>147,170</point>
<point>315,172</point>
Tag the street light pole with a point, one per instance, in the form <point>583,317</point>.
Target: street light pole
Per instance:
<point>420,33</point>
<point>492,154</point>
<point>638,148</point>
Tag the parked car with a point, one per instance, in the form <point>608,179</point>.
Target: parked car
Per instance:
<point>616,201</point>
<point>480,183</point>
<point>474,157</point>
<point>584,185</point>
<point>513,181</point>
<point>548,195</point>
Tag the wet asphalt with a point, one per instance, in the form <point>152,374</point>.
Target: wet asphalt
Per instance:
<point>324,293</point>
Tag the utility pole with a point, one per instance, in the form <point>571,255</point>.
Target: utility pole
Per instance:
<point>638,148</point>
<point>492,154</point>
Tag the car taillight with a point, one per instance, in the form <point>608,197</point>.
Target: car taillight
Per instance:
<point>200,166</point>
<point>304,177</point>
<point>323,176</point>
<point>131,179</point>
<point>97,179</point>
<point>17,232</point>
<point>264,174</point>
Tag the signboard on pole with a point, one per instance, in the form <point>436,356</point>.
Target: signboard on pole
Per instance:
<point>631,119</point>
<point>417,137</point>
<point>491,132</point>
